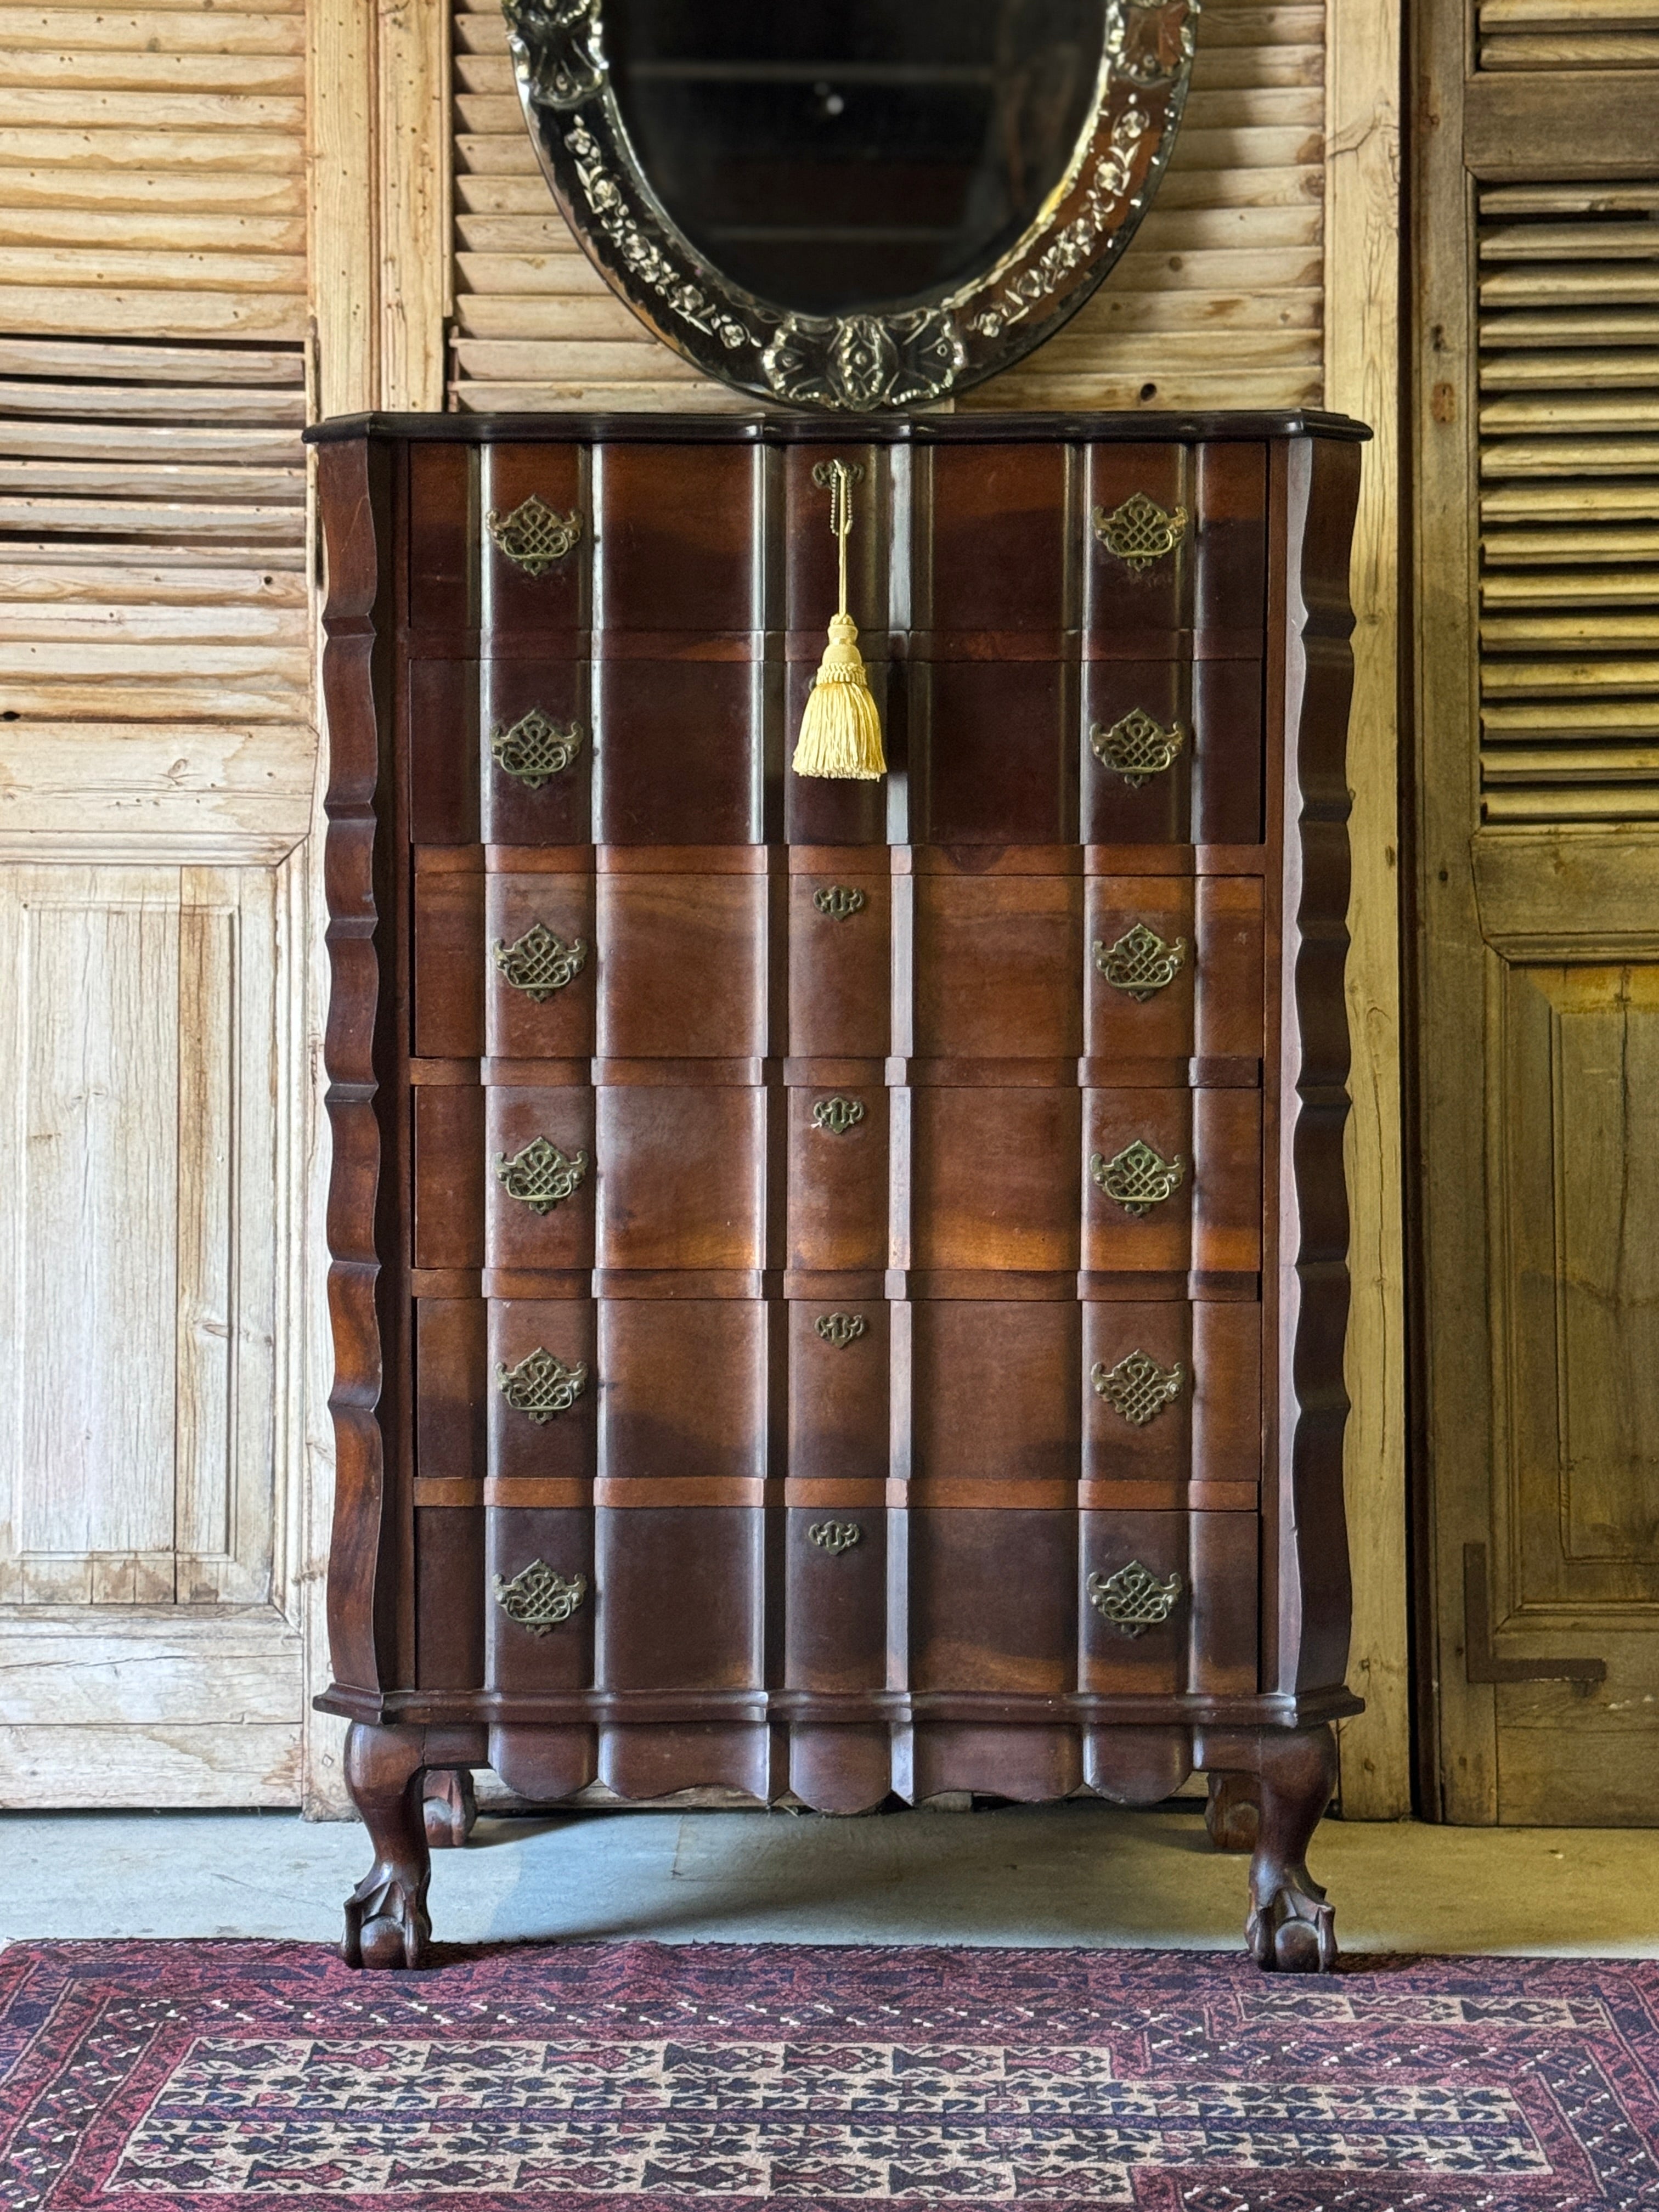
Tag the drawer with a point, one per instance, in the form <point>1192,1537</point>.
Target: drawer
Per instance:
<point>547,589</point>
<point>682,972</point>
<point>837,1195</point>
<point>1167,1603</point>
<point>839,1406</point>
<point>993,1600</point>
<point>993,1178</point>
<point>443,751</point>
<point>840,981</point>
<point>682,1181</point>
<point>684,1393</point>
<point>449,1192</point>
<point>541,1597</point>
<point>835,1581</point>
<point>990,747</point>
<point>535,765</point>
<point>1172,1181</point>
<point>1138,609</point>
<point>1172,1395</point>
<point>1136,758</point>
<point>543,1390</point>
<point>540,963</point>
<point>449,956</point>
<point>997,964</point>
<point>538,1175</point>
<point>1143,955</point>
<point>996,1395</point>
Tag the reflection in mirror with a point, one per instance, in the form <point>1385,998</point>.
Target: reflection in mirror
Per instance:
<point>833,156</point>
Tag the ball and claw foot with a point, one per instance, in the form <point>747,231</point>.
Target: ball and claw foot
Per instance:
<point>386,1919</point>
<point>1292,1929</point>
<point>1295,1931</point>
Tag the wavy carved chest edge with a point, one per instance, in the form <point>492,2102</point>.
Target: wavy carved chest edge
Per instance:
<point>839,1288</point>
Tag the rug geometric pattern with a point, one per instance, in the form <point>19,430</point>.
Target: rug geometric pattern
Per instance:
<point>638,2077</point>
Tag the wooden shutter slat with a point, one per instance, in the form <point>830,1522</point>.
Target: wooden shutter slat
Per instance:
<point>214,31</point>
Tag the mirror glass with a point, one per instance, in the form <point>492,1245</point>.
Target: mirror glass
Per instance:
<point>839,155</point>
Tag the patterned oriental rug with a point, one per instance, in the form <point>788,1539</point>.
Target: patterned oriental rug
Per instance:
<point>644,2077</point>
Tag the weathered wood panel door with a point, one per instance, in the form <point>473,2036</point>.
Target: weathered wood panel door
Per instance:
<point>1536,559</point>
<point>156,760</point>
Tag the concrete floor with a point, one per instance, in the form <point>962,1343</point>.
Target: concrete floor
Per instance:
<point>1078,1874</point>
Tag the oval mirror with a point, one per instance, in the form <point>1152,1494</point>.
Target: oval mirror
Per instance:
<point>853,203</point>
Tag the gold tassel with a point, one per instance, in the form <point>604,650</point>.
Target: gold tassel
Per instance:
<point>841,728</point>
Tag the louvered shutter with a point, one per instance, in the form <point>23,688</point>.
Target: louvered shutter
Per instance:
<point>153,315</point>
<point>1536,554</point>
<point>1217,302</point>
<point>1568,423</point>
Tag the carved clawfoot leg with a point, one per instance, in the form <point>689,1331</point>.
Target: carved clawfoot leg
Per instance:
<point>1291,1927</point>
<point>1233,1814</point>
<point>386,1921</point>
<point>449,1806</point>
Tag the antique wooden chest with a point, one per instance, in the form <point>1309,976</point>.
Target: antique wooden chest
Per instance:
<point>839,1286</point>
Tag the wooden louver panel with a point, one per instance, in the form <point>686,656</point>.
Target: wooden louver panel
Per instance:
<point>1219,301</point>
<point>1569,335</point>
<point>1569,34</point>
<point>153,320</point>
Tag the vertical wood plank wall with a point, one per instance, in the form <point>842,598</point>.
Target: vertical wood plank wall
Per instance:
<point>1267,275</point>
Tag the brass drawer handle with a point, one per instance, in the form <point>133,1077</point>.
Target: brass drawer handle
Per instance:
<point>838,902</point>
<point>1136,747</point>
<point>1140,531</point>
<point>541,1176</point>
<point>540,964</point>
<point>840,1329</point>
<point>535,749</point>
<point>1138,1388</point>
<point>1133,1598</point>
<point>837,1114</point>
<point>540,1386</point>
<point>534,536</point>
<point>834,1536</point>
<point>1138,1177</point>
<point>1141,963</point>
<point>538,1597</point>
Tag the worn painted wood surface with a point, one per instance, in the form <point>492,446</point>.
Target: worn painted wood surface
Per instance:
<point>1535,864</point>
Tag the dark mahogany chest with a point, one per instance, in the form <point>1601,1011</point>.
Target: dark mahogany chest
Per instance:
<point>838,1287</point>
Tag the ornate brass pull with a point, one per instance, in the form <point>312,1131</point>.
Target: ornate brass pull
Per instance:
<point>837,1114</point>
<point>1133,1598</point>
<point>538,1597</point>
<point>834,1536</point>
<point>838,902</point>
<point>532,536</point>
<point>535,749</point>
<point>824,473</point>
<point>1138,1177</point>
<point>540,964</point>
<point>541,1386</point>
<point>1140,531</point>
<point>1138,1388</point>
<point>840,1329</point>
<point>1136,748</point>
<point>1141,963</point>
<point>541,1176</point>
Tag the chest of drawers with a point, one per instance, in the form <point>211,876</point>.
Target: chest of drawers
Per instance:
<point>838,1287</point>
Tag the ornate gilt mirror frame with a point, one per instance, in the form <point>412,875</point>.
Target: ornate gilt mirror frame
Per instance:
<point>932,347</point>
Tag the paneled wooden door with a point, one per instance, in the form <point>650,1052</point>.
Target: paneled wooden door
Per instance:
<point>1536,560</point>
